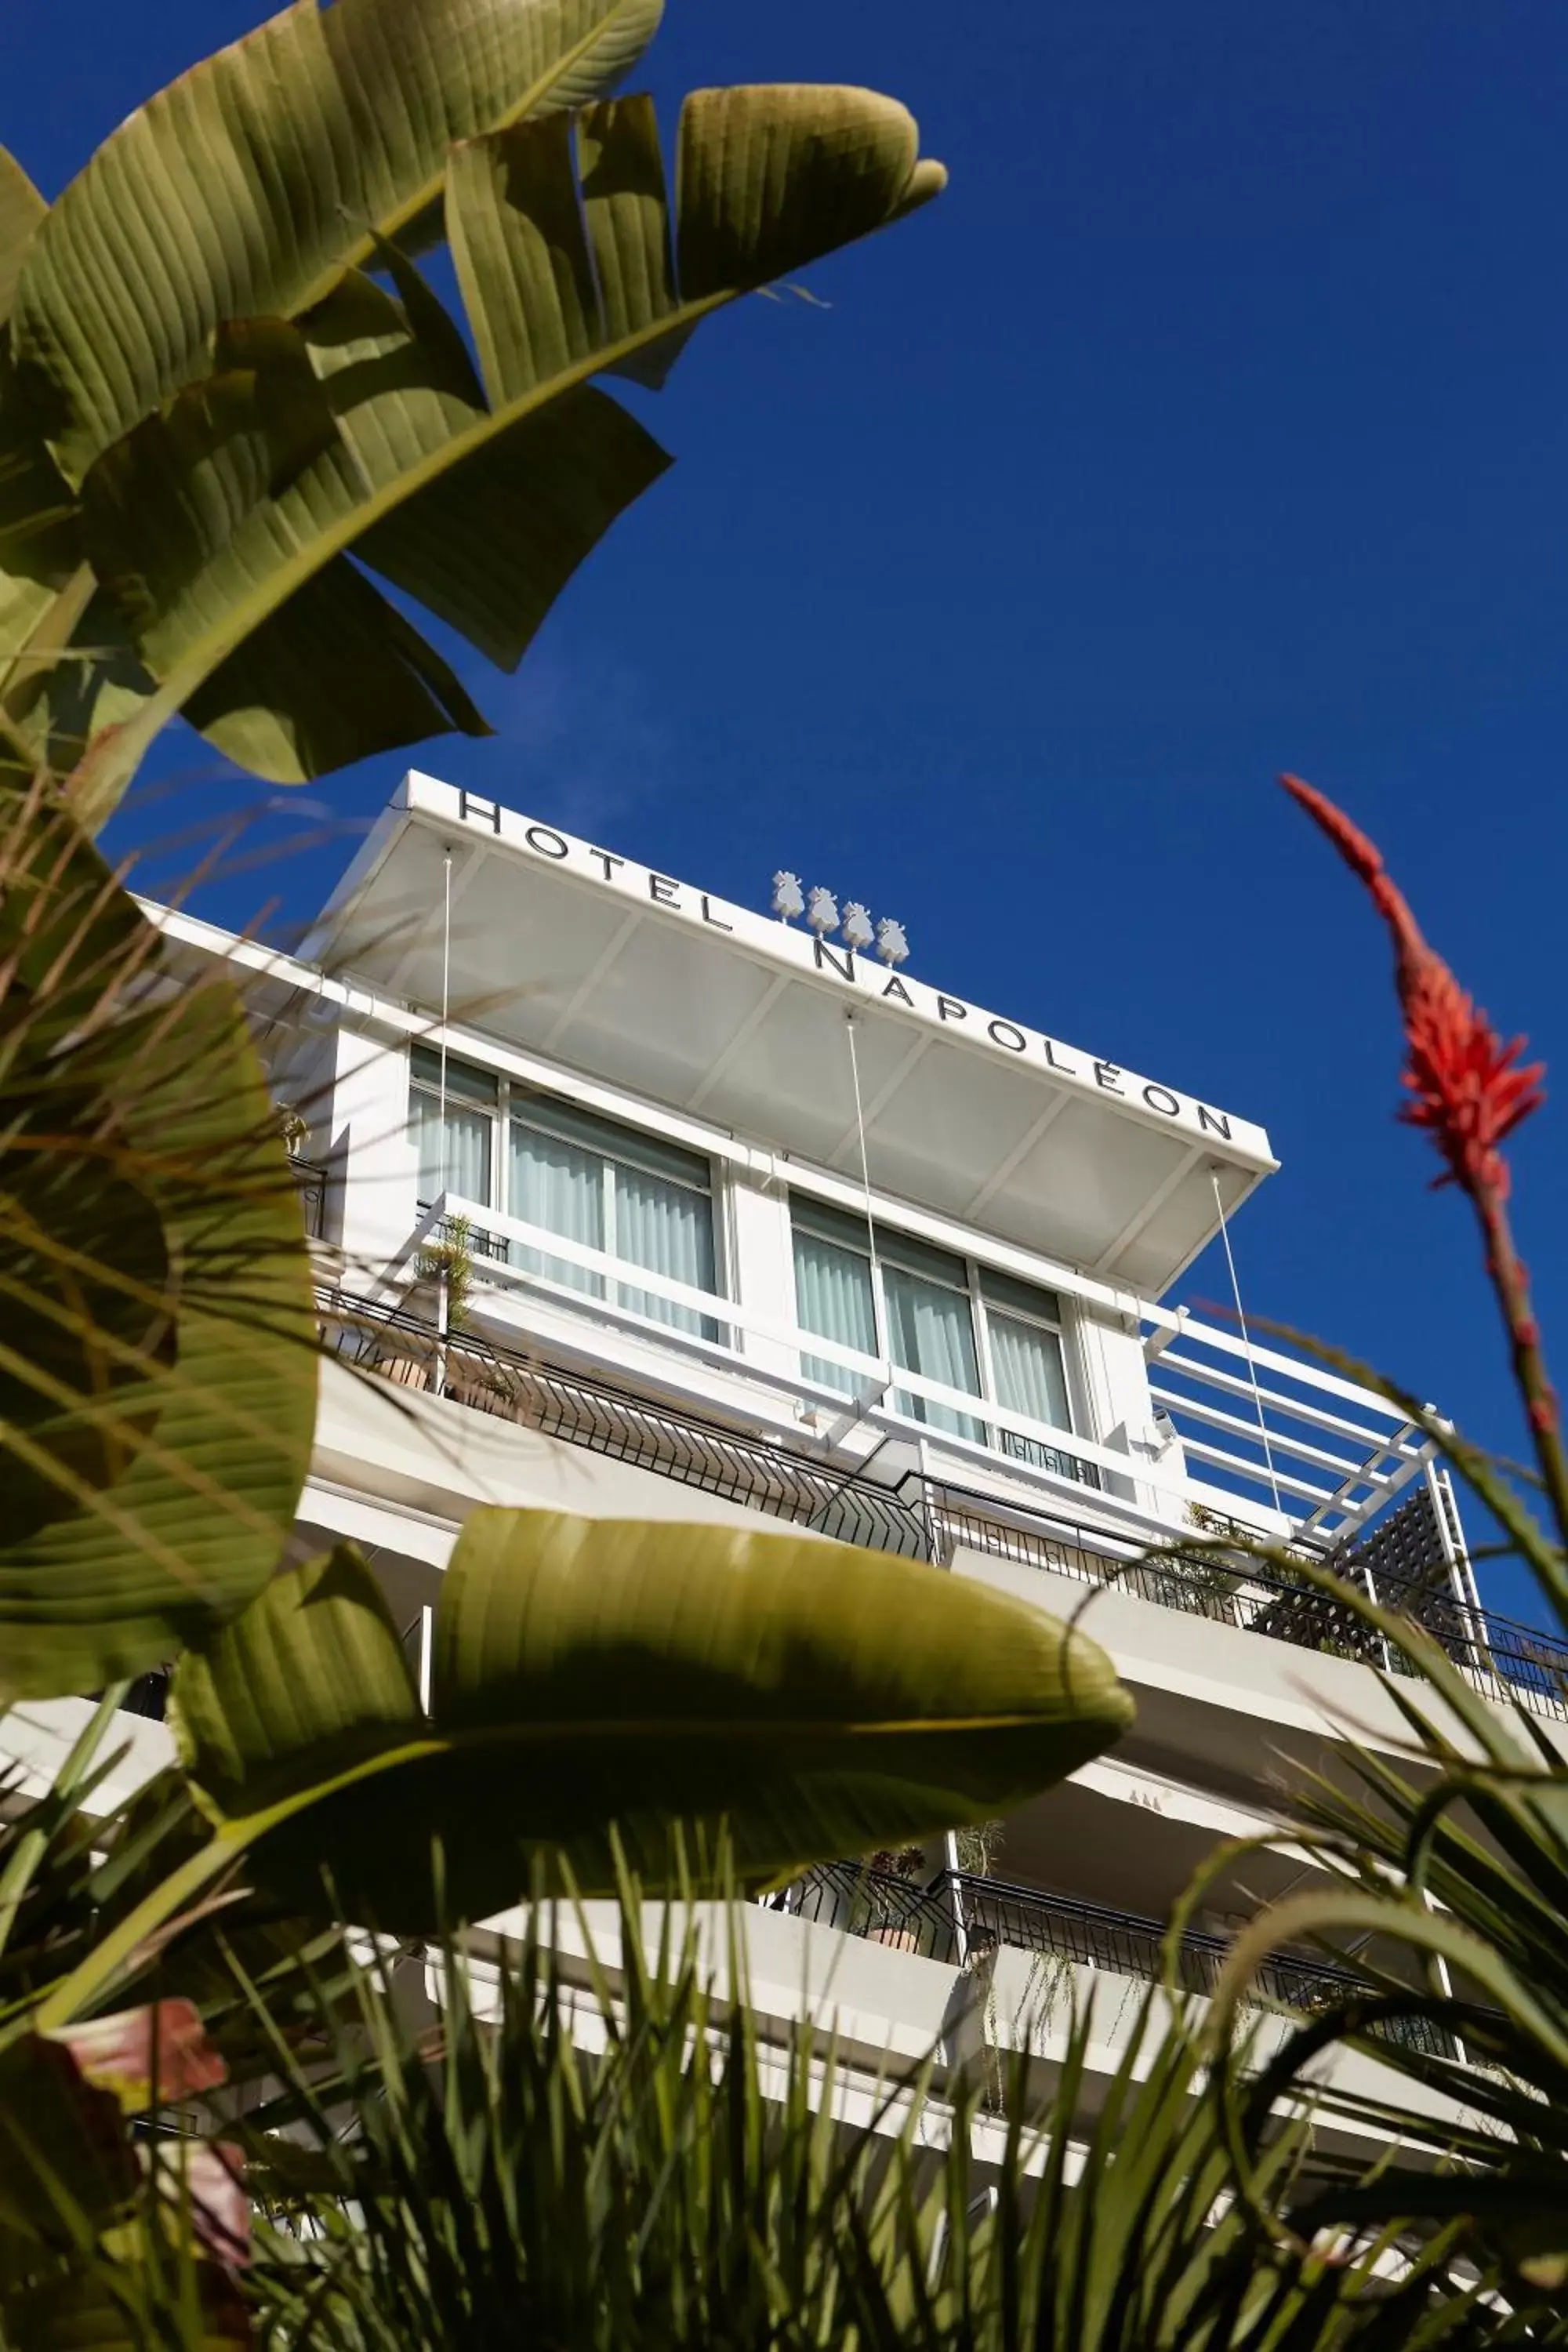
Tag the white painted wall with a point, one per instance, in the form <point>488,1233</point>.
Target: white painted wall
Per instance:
<point>374,1167</point>
<point>1119,1409</point>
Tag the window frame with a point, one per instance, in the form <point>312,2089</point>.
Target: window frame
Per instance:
<point>963,1271</point>
<point>509,1099</point>
<point>429,1087</point>
<point>918,1257</point>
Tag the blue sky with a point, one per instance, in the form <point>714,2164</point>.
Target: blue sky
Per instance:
<point>1212,423</point>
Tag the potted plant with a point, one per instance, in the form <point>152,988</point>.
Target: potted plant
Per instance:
<point>1198,1580</point>
<point>978,1848</point>
<point>447,1264</point>
<point>444,1269</point>
<point>891,1876</point>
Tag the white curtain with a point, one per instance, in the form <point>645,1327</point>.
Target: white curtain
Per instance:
<point>669,1229</point>
<point>460,1163</point>
<point>560,1187</point>
<point>833,1299</point>
<point>1031,1379</point>
<point>931,1329</point>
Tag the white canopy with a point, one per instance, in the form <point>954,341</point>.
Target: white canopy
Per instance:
<point>558,948</point>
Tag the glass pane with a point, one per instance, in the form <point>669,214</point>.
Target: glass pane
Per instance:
<point>931,1329</point>
<point>893,1248</point>
<point>562,1188</point>
<point>918,1257</point>
<point>554,1116</point>
<point>833,1298</point>
<point>809,1216</point>
<point>460,1162</point>
<point>670,1229</point>
<point>1030,1378</point>
<point>1020,1298</point>
<point>464,1083</point>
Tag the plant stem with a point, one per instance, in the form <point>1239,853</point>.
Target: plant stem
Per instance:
<point>1511,1285</point>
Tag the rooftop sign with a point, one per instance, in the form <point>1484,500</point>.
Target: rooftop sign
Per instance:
<point>855,976</point>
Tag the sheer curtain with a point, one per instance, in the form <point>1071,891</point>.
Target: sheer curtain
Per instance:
<point>560,1186</point>
<point>931,1329</point>
<point>630,1212</point>
<point>1030,1378</point>
<point>833,1299</point>
<point>460,1162</point>
<point>669,1229</point>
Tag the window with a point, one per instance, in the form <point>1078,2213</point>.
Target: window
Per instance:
<point>1022,1328</point>
<point>460,1158</point>
<point>926,1311</point>
<point>923,1308</point>
<point>930,1328</point>
<point>607,1187</point>
<point>833,1294</point>
<point>634,1196</point>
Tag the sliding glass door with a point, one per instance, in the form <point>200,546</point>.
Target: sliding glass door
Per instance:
<point>455,1144</point>
<point>907,1306</point>
<point>560,1186</point>
<point>1028,1367</point>
<point>833,1293</point>
<point>614,1189</point>
<point>931,1330</point>
<point>606,1187</point>
<point>924,1310</point>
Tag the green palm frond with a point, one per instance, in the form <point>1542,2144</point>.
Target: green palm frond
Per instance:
<point>228,396</point>
<point>157,1336</point>
<point>512,2145</point>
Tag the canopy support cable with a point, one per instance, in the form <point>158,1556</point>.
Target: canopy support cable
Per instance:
<point>879,1305</point>
<point>442,1316</point>
<point>1247,1343</point>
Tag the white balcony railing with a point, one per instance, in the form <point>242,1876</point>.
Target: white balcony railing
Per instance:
<point>1272,1441</point>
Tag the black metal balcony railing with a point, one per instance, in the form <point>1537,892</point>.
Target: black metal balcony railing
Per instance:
<point>311,1178</point>
<point>1515,1662</point>
<point>861,1901</point>
<point>581,1410</point>
<point>919,1517</point>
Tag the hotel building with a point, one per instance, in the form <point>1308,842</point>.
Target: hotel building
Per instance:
<point>743,1221</point>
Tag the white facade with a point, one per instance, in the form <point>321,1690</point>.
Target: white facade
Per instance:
<point>901,1277</point>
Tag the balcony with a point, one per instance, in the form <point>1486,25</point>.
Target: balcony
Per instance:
<point>956,1916</point>
<point>1233,1430</point>
<point>918,1514</point>
<point>517,1385</point>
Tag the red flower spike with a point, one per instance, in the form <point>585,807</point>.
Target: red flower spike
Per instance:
<point>123,2053</point>
<point>1469,1090</point>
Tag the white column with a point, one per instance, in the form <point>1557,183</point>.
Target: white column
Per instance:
<point>1120,1374</point>
<point>762,1261</point>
